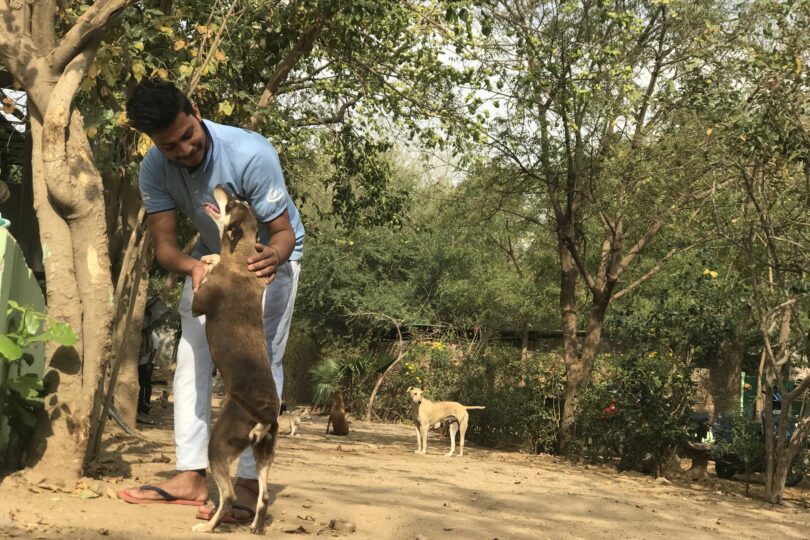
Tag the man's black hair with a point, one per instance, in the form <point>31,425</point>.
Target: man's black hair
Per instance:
<point>154,105</point>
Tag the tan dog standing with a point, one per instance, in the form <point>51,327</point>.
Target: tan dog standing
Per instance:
<point>290,421</point>
<point>427,414</point>
<point>337,416</point>
<point>230,297</point>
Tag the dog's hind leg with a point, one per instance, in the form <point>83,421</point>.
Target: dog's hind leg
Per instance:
<point>462,429</point>
<point>223,447</point>
<point>264,452</point>
<point>453,430</point>
<point>258,433</point>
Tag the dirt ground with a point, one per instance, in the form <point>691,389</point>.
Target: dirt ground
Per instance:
<point>370,485</point>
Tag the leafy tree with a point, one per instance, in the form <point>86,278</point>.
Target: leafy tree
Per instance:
<point>602,144</point>
<point>305,72</point>
<point>761,112</point>
<point>47,52</point>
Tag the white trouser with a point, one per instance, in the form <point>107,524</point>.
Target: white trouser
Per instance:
<point>192,378</point>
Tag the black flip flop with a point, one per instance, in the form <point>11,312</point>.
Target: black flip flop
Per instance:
<point>168,498</point>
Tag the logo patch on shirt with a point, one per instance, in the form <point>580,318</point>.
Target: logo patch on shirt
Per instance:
<point>275,195</point>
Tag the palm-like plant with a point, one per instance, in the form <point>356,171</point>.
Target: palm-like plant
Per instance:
<point>336,371</point>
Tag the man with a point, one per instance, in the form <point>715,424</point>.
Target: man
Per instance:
<point>189,157</point>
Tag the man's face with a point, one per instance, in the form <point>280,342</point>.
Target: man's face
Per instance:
<point>184,141</point>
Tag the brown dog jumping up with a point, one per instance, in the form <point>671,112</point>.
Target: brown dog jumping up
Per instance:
<point>337,416</point>
<point>230,297</point>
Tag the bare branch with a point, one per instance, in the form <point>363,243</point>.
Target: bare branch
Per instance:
<point>682,201</point>
<point>336,118</point>
<point>654,270</point>
<point>198,73</point>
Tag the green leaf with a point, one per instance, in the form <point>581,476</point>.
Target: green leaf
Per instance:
<point>59,332</point>
<point>9,349</point>
<point>25,417</point>
<point>28,386</point>
<point>32,322</point>
<point>88,494</point>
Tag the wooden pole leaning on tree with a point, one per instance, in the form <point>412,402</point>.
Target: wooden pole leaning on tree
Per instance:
<point>138,251</point>
<point>171,277</point>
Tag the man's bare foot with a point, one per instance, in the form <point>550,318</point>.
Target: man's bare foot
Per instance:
<point>186,487</point>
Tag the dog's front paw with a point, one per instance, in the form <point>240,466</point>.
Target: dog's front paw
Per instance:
<point>203,527</point>
<point>210,259</point>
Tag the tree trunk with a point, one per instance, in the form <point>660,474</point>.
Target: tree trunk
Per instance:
<point>724,376</point>
<point>127,387</point>
<point>568,307</point>
<point>373,396</point>
<point>524,340</point>
<point>68,197</point>
<point>776,448</point>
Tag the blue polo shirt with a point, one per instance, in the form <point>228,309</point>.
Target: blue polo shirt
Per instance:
<point>244,162</point>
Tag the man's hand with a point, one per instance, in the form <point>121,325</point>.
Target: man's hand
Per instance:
<point>265,263</point>
<point>198,272</point>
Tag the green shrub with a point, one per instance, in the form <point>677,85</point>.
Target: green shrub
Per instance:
<point>746,444</point>
<point>522,397</point>
<point>636,411</point>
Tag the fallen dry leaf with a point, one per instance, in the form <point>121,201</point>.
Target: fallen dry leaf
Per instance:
<point>294,530</point>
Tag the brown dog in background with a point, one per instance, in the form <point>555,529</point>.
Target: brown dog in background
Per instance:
<point>337,416</point>
<point>230,297</point>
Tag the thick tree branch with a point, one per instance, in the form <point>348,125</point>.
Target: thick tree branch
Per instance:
<point>685,199</point>
<point>86,28</point>
<point>302,46</point>
<point>43,29</point>
<point>583,269</point>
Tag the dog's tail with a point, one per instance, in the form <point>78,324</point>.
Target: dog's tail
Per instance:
<point>474,407</point>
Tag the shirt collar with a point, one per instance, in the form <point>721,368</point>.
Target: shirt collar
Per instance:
<point>213,146</point>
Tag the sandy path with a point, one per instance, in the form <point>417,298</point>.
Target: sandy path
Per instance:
<point>373,480</point>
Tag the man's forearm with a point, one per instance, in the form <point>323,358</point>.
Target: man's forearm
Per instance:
<point>284,243</point>
<point>172,259</point>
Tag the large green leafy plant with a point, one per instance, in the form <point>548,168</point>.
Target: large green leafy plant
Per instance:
<point>21,395</point>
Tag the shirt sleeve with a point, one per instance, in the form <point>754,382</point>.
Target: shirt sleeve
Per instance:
<point>264,184</point>
<point>152,184</point>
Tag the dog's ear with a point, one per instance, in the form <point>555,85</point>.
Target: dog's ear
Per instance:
<point>234,232</point>
<point>410,388</point>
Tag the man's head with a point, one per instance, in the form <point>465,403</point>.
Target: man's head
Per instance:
<point>162,111</point>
